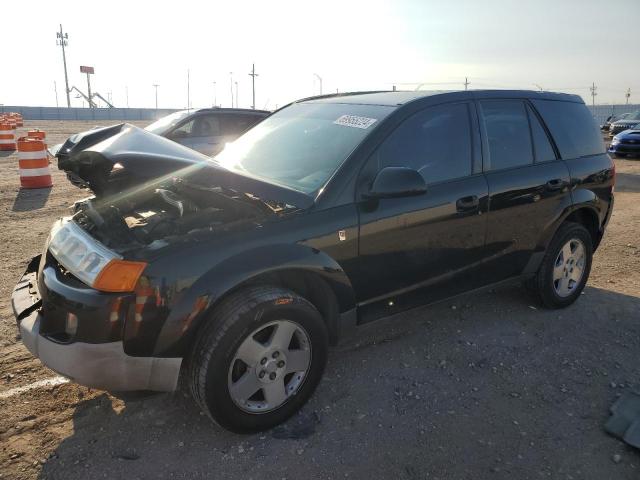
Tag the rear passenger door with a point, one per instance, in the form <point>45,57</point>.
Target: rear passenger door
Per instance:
<point>528,185</point>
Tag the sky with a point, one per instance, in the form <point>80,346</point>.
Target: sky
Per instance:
<point>556,45</point>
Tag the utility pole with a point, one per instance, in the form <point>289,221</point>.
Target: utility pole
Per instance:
<point>215,99</point>
<point>55,89</point>
<point>466,83</point>
<point>63,42</point>
<point>188,90</point>
<point>594,92</point>
<point>253,76</point>
<point>627,95</point>
<point>155,85</point>
<point>320,80</point>
<point>237,95</point>
<point>231,76</point>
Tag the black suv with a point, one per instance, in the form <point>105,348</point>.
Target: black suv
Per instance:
<point>334,211</point>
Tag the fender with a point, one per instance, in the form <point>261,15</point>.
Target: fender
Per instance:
<point>589,202</point>
<point>187,314</point>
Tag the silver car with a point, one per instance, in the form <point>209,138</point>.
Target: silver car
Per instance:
<point>207,130</point>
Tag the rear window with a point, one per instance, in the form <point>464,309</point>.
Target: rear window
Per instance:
<point>572,127</point>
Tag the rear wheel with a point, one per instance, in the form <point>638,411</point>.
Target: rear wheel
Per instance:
<point>565,268</point>
<point>258,359</point>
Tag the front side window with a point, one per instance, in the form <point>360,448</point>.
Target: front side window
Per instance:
<point>508,133</point>
<point>302,145</point>
<point>160,127</point>
<point>206,126</point>
<point>436,142</point>
<point>183,131</point>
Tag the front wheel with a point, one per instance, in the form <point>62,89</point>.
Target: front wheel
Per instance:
<point>565,268</point>
<point>258,359</point>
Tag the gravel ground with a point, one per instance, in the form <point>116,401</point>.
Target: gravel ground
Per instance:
<point>487,386</point>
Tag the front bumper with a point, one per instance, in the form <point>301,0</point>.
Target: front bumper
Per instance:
<point>99,365</point>
<point>625,148</point>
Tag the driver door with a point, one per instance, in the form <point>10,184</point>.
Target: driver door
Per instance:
<point>417,249</point>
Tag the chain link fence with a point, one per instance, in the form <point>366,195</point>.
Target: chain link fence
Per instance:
<point>55,113</point>
<point>602,112</point>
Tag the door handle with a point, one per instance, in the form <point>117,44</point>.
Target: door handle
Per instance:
<point>555,184</point>
<point>466,204</point>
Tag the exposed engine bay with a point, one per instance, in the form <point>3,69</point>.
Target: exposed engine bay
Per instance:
<point>175,209</point>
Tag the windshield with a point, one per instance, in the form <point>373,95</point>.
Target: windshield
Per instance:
<point>301,146</point>
<point>159,127</point>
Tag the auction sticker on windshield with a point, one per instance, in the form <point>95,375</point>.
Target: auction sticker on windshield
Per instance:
<point>355,121</point>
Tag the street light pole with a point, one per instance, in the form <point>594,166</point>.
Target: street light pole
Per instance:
<point>236,94</point>
<point>63,41</point>
<point>320,80</point>
<point>231,82</point>
<point>253,76</point>
<point>215,99</point>
<point>155,85</point>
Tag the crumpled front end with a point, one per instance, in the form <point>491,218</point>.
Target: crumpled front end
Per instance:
<point>77,332</point>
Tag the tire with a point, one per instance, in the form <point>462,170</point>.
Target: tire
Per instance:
<point>561,293</point>
<point>256,318</point>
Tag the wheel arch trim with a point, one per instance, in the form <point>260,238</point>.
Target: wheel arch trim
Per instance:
<point>254,266</point>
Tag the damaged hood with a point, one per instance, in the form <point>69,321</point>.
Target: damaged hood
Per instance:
<point>95,157</point>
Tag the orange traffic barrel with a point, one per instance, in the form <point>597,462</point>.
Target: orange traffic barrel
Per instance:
<point>34,163</point>
<point>37,133</point>
<point>17,117</point>
<point>7,136</point>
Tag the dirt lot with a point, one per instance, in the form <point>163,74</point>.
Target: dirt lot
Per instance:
<point>488,386</point>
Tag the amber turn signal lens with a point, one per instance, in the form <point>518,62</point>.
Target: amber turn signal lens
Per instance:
<point>119,276</point>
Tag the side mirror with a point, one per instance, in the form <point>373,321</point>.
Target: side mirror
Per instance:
<point>393,182</point>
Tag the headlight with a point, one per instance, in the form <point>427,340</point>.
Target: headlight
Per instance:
<point>90,261</point>
<point>615,141</point>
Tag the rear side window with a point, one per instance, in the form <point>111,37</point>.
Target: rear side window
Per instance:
<point>572,127</point>
<point>237,124</point>
<point>541,145</point>
<point>436,142</point>
<point>508,133</point>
